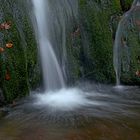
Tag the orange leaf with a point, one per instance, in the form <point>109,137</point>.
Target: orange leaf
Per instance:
<point>5,25</point>
<point>2,26</point>
<point>7,76</point>
<point>1,49</point>
<point>9,45</point>
<point>137,22</point>
<point>138,73</point>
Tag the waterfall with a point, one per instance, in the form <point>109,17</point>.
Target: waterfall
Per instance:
<point>52,18</point>
<point>120,44</point>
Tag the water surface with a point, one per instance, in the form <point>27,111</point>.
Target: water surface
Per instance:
<point>101,113</point>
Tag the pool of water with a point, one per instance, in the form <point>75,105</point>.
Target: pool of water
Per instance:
<point>99,112</point>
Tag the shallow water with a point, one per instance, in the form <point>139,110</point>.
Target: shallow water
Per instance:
<point>101,113</point>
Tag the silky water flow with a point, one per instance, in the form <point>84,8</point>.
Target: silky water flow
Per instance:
<point>56,94</point>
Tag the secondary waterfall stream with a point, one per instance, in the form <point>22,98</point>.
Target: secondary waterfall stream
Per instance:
<point>122,52</point>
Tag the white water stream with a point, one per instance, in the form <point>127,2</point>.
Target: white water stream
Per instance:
<point>52,73</point>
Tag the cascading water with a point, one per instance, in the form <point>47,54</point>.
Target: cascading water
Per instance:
<point>53,19</point>
<point>52,74</point>
<point>121,48</point>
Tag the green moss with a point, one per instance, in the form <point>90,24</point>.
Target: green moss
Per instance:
<point>90,54</point>
<point>73,58</point>
<point>95,19</point>
<point>21,60</point>
<point>99,21</point>
<point>133,42</point>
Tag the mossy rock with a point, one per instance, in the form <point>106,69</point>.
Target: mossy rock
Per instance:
<point>97,38</point>
<point>98,24</point>
<point>20,62</point>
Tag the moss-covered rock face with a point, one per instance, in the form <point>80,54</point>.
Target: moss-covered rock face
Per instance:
<point>130,71</point>
<point>98,24</point>
<point>97,38</point>
<point>19,69</point>
<point>127,46</point>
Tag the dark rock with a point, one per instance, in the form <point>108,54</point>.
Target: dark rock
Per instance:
<point>125,4</point>
<point>4,111</point>
<point>1,98</point>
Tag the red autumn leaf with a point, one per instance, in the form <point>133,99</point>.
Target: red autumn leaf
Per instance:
<point>5,25</point>
<point>1,49</point>
<point>76,32</point>
<point>138,73</point>
<point>2,26</point>
<point>7,76</point>
<point>137,22</point>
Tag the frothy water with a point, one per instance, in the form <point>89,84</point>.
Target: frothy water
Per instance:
<point>64,99</point>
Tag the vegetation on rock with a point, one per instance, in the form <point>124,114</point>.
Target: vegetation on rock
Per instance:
<point>19,68</point>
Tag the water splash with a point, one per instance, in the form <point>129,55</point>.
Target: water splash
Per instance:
<point>64,99</point>
<point>67,99</point>
<point>121,49</point>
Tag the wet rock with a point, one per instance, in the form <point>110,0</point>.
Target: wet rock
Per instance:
<point>4,111</point>
<point>1,98</point>
<point>125,4</point>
